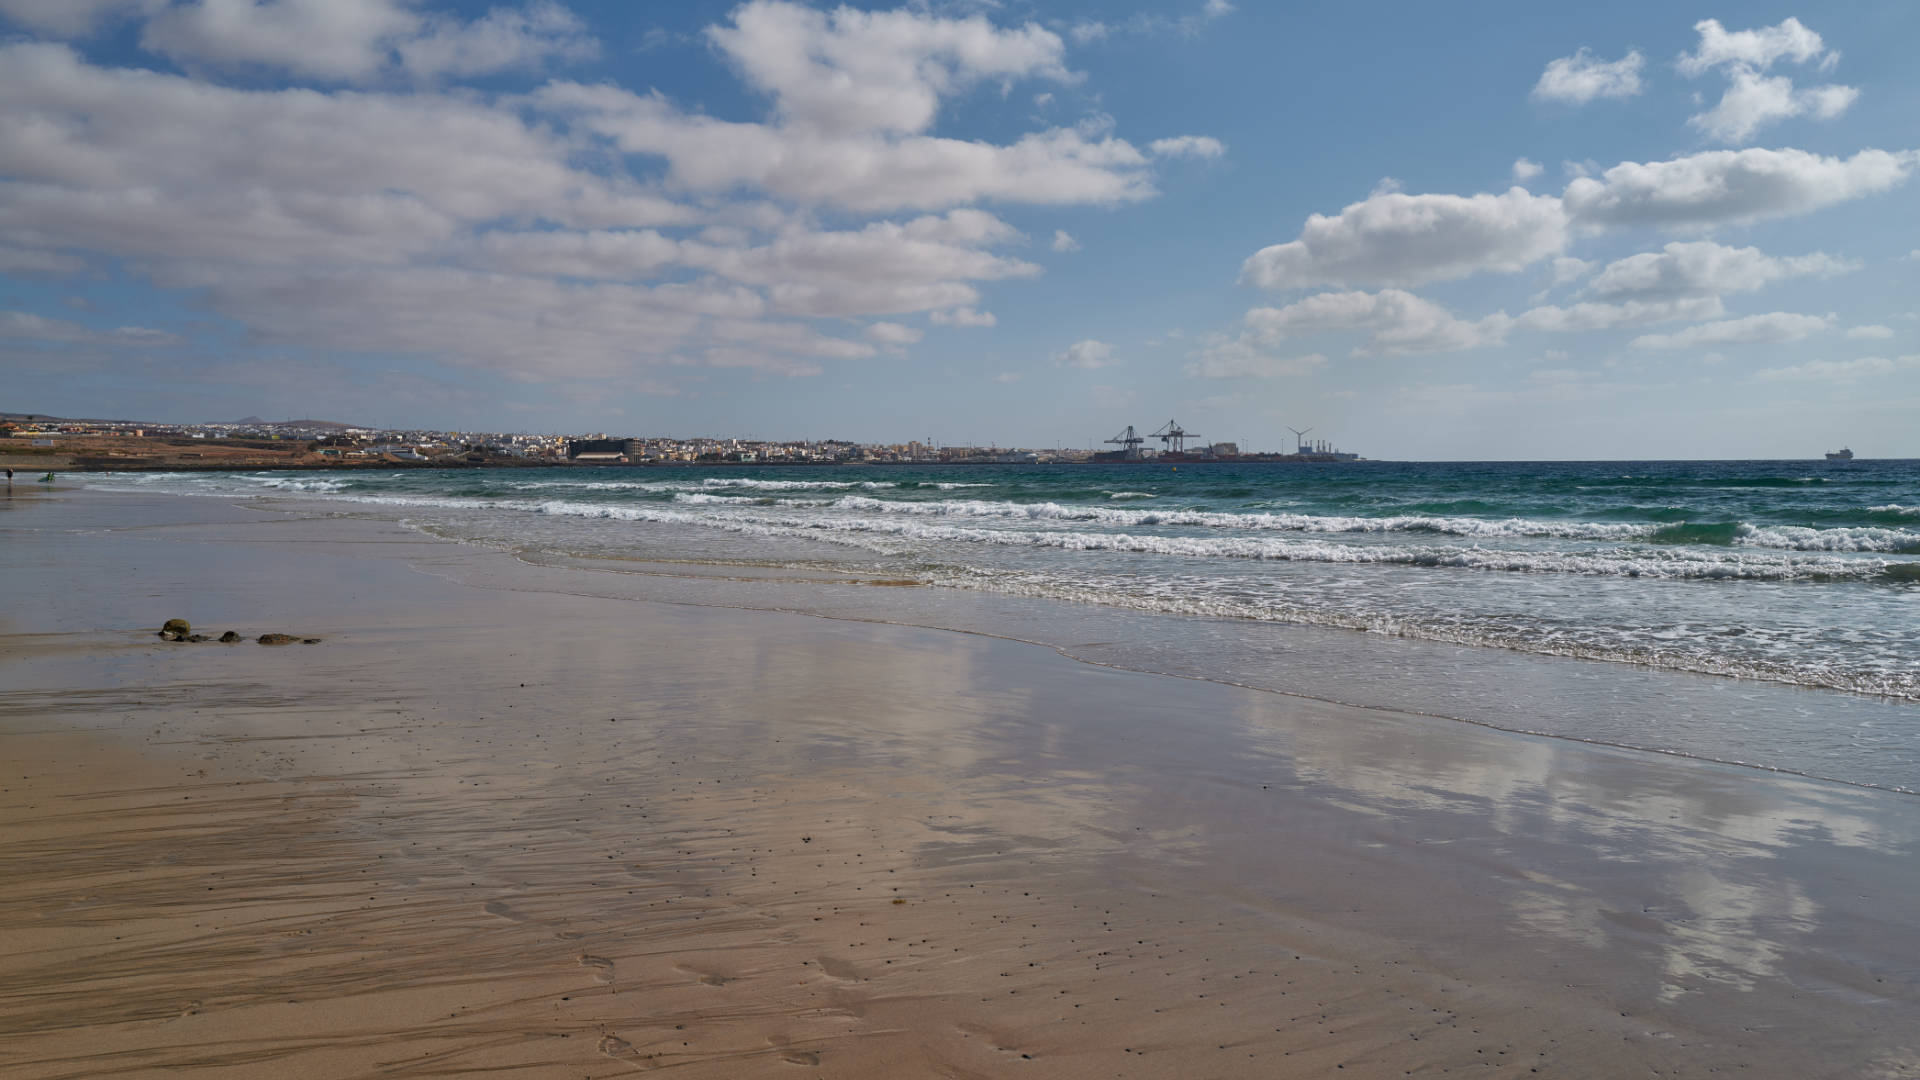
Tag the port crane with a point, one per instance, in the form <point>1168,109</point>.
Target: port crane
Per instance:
<point>1129,441</point>
<point>1174,436</point>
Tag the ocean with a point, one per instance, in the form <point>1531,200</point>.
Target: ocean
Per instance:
<point>1763,613</point>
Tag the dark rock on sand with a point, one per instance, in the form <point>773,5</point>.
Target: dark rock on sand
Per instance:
<point>229,638</point>
<point>176,629</point>
<point>195,637</point>
<point>277,639</point>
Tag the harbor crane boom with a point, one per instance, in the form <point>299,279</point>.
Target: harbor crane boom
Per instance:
<point>1174,436</point>
<point>1129,441</point>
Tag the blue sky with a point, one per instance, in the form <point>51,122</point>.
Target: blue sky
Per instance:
<point>1499,230</point>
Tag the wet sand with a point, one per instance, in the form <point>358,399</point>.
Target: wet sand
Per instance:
<point>518,831</point>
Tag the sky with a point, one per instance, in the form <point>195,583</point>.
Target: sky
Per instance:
<point>1463,231</point>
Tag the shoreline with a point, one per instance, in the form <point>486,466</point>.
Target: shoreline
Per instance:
<point>1429,674</point>
<point>1082,835</point>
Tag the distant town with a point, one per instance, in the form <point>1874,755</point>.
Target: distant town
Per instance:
<point>38,441</point>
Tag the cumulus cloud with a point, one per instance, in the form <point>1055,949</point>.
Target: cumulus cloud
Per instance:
<point>1087,355</point>
<point>893,334</point>
<point>1772,328</point>
<point>1582,77</point>
<point>1839,371</point>
<point>869,171</point>
<point>1730,187</point>
<point>1704,268</point>
<point>501,40</point>
<point>1064,241</point>
<point>848,71</point>
<point>1395,321</point>
<point>1870,333</point>
<point>1589,316</point>
<point>1197,146</point>
<point>1392,238</point>
<point>1753,99</point>
<point>1567,269</point>
<point>360,40</point>
<point>1525,170</point>
<point>511,232</point>
<point>962,316</point>
<point>1758,49</point>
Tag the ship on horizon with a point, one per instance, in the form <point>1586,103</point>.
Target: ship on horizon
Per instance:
<point>1842,454</point>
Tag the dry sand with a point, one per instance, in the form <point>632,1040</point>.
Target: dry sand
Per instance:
<point>515,831</point>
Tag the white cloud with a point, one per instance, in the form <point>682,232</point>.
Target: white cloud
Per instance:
<point>1087,355</point>
<point>1394,321</point>
<point>892,333</point>
<point>1729,187</point>
<point>1008,377</point>
<point>1870,333</point>
<point>1839,371</point>
<point>1567,269</point>
<point>1399,323</point>
<point>1198,146</point>
<point>1758,49</point>
<point>1240,359</point>
<point>884,268</point>
<point>26,326</point>
<point>1752,99</point>
<point>360,40</point>
<point>1589,316</point>
<point>873,171</point>
<point>1704,268</point>
<point>1580,78</point>
<point>501,40</point>
<point>1525,170</point>
<point>1392,238</point>
<point>1772,328</point>
<point>1064,241</point>
<point>848,71</point>
<point>962,316</point>
<point>510,232</point>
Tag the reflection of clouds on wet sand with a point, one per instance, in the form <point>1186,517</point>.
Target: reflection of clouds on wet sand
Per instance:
<point>1731,931</point>
<point>1712,873</point>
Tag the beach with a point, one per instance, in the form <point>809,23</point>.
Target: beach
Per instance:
<point>513,818</point>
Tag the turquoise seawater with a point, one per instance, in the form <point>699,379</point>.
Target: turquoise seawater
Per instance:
<point>1791,573</point>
